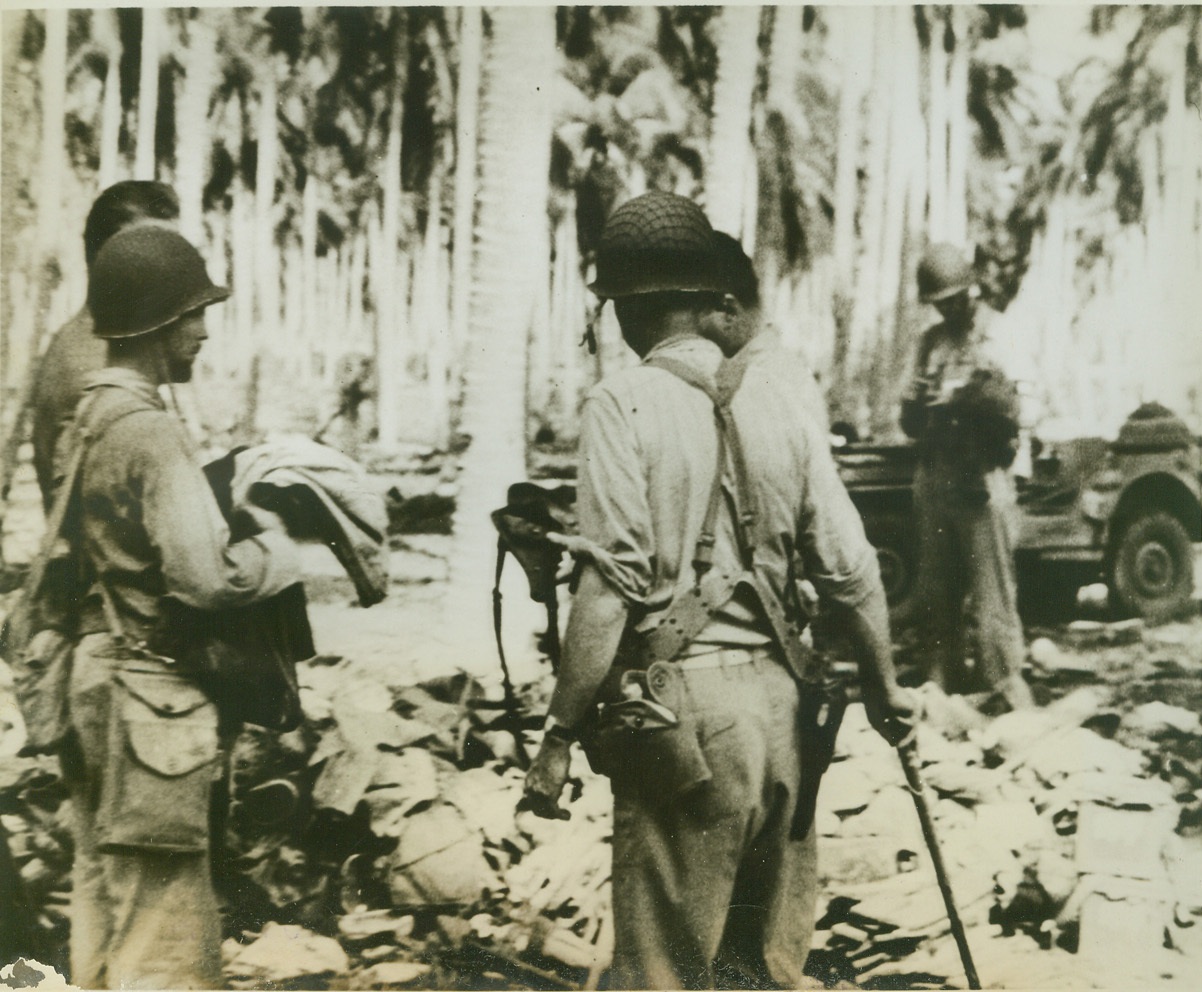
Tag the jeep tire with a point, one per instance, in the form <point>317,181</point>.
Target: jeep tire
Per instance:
<point>1152,567</point>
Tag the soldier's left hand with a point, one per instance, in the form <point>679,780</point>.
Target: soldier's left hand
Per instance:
<point>545,780</point>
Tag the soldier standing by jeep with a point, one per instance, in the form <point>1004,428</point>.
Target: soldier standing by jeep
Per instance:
<point>963,412</point>
<point>702,733</point>
<point>146,745</point>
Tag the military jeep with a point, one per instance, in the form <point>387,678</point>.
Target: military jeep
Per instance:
<point>1125,512</point>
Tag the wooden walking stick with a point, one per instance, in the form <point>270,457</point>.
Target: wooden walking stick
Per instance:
<point>908,752</point>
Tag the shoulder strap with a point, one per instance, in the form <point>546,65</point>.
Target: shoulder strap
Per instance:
<point>54,525</point>
<point>721,392</point>
<point>688,614</point>
<point>70,486</point>
<point>88,433</point>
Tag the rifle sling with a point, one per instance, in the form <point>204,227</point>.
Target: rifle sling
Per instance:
<point>70,485</point>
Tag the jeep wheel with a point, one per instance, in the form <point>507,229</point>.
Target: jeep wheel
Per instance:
<point>896,541</point>
<point>1153,567</point>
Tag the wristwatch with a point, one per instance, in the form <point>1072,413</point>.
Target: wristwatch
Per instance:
<point>559,731</point>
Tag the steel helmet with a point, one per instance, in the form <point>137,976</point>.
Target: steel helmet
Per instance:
<point>943,272</point>
<point>657,242</point>
<point>145,277</point>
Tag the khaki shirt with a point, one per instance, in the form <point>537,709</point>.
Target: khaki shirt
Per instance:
<point>151,525</point>
<point>946,363</point>
<point>73,354</point>
<point>768,349</point>
<point>648,447</point>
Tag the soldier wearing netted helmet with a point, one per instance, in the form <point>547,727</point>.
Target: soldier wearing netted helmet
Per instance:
<point>963,411</point>
<point>140,766</point>
<point>705,492</point>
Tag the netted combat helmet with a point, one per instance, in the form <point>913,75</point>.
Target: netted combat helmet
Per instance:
<point>943,272</point>
<point>655,243</point>
<point>145,277</point>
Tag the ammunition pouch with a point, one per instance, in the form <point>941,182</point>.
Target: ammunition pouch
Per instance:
<point>157,781</point>
<point>647,739</point>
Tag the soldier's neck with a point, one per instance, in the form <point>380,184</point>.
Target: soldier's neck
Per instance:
<point>671,327</point>
<point>146,362</point>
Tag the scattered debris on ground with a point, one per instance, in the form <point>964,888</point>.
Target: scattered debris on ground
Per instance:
<point>1070,831</point>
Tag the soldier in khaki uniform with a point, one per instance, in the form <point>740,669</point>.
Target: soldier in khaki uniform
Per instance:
<point>146,752</point>
<point>711,883</point>
<point>963,411</point>
<point>74,351</point>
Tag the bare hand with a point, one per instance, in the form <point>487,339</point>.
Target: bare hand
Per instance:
<point>545,781</point>
<point>893,712</point>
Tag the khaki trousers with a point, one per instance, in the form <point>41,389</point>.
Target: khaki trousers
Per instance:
<point>708,889</point>
<point>139,919</point>
<point>967,550</point>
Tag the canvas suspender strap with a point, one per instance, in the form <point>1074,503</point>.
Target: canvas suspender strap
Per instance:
<point>87,434</point>
<point>721,393</point>
<point>688,613</point>
<point>54,526</point>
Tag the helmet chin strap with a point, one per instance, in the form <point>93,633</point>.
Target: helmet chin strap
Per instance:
<point>164,372</point>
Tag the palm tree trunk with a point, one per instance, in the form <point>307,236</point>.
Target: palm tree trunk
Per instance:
<point>471,42</point>
<point>957,142</point>
<point>937,126</point>
<point>264,282</point>
<point>267,287</point>
<point>199,54</point>
<point>242,253</point>
<point>907,188</point>
<point>148,94</point>
<point>53,158</point>
<point>52,166</point>
<point>850,26</point>
<point>515,144</point>
<point>782,66</point>
<point>865,314</point>
<point>11,23</point>
<point>730,152</point>
<point>311,321</point>
<point>1179,224</point>
<point>104,30</point>
<point>901,94</point>
<point>439,350</point>
<point>784,54</point>
<point>384,260</point>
